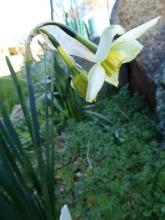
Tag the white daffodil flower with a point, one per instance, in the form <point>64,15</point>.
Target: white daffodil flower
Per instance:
<point>65,214</point>
<point>110,55</point>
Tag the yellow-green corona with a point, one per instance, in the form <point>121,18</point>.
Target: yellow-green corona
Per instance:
<point>109,56</point>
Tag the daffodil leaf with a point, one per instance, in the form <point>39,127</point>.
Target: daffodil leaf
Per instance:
<point>136,32</point>
<point>131,49</point>
<point>106,40</point>
<point>96,79</point>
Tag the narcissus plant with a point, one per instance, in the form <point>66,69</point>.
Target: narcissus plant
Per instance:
<point>107,57</point>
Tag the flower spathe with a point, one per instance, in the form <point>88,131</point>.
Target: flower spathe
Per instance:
<point>109,57</point>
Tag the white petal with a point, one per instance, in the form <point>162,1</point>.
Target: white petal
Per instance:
<point>96,79</point>
<point>106,41</point>
<point>65,214</point>
<point>131,49</point>
<point>136,32</point>
<point>68,43</point>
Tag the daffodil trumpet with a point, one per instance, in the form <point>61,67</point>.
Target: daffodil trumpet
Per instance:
<point>109,56</point>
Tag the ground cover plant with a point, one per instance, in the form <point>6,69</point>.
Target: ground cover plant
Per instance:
<point>108,167</point>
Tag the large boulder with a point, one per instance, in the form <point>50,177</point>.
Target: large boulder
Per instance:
<point>160,96</point>
<point>16,114</point>
<point>131,13</point>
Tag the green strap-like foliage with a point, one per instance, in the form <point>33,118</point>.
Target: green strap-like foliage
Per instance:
<point>25,190</point>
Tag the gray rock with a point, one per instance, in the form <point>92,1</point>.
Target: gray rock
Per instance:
<point>16,114</point>
<point>140,83</point>
<point>130,14</point>
<point>133,13</point>
<point>160,98</point>
<point>160,73</point>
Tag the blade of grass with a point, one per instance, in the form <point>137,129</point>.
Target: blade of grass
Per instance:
<point>6,204</point>
<point>16,146</point>
<point>20,95</point>
<point>52,132</point>
<point>37,143</point>
<point>13,183</point>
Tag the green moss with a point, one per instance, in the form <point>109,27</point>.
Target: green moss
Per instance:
<point>121,178</point>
